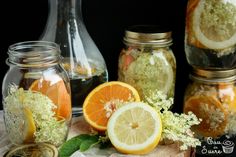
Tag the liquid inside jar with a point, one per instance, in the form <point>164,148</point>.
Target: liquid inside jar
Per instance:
<point>209,59</point>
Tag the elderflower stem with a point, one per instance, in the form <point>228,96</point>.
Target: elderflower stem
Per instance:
<point>176,127</point>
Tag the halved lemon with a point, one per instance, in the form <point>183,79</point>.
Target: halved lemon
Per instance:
<point>135,128</point>
<point>214,24</point>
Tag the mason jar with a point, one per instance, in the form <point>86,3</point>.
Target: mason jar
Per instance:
<point>36,94</point>
<point>211,96</point>
<point>210,34</point>
<point>147,61</point>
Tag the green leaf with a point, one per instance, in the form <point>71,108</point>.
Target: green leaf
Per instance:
<point>86,144</point>
<point>72,145</point>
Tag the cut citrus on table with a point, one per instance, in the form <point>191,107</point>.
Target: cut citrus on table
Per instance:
<point>57,92</point>
<point>213,23</point>
<point>135,128</point>
<point>103,100</point>
<point>211,111</point>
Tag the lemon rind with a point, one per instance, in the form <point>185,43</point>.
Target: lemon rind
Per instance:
<point>143,148</point>
<point>202,38</point>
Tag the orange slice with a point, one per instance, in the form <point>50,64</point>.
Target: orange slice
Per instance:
<point>212,113</point>
<point>191,39</point>
<point>126,59</point>
<point>104,100</point>
<point>192,4</point>
<point>227,95</point>
<point>57,92</point>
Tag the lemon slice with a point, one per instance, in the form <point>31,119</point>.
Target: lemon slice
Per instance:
<point>29,126</point>
<point>151,72</point>
<point>165,79</point>
<point>21,129</point>
<point>135,128</point>
<point>214,24</point>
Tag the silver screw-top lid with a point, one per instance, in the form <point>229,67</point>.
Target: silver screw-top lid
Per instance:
<point>29,150</point>
<point>148,35</point>
<point>213,75</point>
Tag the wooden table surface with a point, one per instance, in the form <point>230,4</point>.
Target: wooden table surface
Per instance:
<point>79,126</point>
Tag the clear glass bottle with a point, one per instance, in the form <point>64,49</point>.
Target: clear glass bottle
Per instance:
<point>147,61</point>
<point>211,96</point>
<point>81,57</point>
<point>36,94</point>
<point>210,34</point>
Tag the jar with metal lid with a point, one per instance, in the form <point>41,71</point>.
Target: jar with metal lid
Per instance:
<point>36,94</point>
<point>147,61</point>
<point>211,96</point>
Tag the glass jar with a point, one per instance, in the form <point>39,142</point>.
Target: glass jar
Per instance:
<point>211,96</point>
<point>36,94</point>
<point>81,58</point>
<point>147,61</point>
<point>210,34</point>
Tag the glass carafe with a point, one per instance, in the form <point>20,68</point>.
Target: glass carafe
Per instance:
<point>81,58</point>
<point>210,37</point>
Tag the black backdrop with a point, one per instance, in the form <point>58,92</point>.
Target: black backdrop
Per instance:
<point>106,21</point>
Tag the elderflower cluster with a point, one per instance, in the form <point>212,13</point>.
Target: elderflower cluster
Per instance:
<point>176,127</point>
<point>159,101</point>
<point>48,128</point>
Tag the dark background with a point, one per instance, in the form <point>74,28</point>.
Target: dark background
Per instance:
<point>106,21</point>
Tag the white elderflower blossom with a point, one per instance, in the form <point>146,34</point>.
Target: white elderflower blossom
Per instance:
<point>176,127</point>
<point>48,127</point>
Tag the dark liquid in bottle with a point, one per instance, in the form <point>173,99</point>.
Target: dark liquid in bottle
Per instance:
<point>80,88</point>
